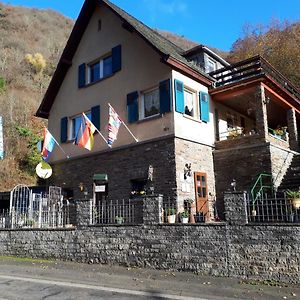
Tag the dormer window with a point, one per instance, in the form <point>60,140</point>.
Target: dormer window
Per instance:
<point>211,65</point>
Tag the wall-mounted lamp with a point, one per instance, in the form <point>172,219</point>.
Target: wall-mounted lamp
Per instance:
<point>233,184</point>
<point>187,171</point>
<point>266,100</point>
<point>81,187</point>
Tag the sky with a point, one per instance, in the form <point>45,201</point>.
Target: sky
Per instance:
<point>216,23</point>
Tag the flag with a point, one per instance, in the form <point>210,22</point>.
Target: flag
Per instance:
<point>48,145</point>
<point>85,136</point>
<point>114,124</point>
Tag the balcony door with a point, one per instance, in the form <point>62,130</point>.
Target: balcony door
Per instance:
<point>201,192</point>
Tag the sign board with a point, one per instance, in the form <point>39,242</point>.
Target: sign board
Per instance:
<point>1,139</point>
<point>99,188</point>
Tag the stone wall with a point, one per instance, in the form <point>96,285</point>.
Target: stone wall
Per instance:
<point>281,160</point>
<point>122,165</point>
<point>260,251</point>
<point>243,164</point>
<point>201,159</point>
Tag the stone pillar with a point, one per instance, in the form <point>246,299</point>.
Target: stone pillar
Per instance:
<point>261,112</point>
<point>236,208</point>
<point>84,214</point>
<point>153,210</point>
<point>292,129</point>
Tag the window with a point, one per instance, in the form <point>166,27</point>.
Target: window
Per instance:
<point>150,103</point>
<point>100,69</point>
<point>189,103</point>
<point>211,65</point>
<point>75,125</point>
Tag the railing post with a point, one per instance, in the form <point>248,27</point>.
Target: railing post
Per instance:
<point>84,212</point>
<point>153,210</point>
<point>236,208</point>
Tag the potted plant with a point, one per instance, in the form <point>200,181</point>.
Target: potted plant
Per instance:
<point>185,217</point>
<point>119,219</point>
<point>171,215</point>
<point>294,197</point>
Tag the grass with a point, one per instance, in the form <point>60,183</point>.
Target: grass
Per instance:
<point>25,259</point>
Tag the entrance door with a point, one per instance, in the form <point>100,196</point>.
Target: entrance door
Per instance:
<point>201,192</point>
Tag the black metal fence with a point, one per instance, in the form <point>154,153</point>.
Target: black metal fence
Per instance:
<point>276,209</point>
<point>118,212</point>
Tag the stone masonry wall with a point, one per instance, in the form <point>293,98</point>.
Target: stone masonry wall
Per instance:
<point>281,160</point>
<point>236,248</point>
<point>201,159</point>
<point>243,164</point>
<point>122,166</point>
<point>262,252</point>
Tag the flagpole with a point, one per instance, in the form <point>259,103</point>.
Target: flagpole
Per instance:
<point>59,146</point>
<point>126,126</point>
<point>95,127</point>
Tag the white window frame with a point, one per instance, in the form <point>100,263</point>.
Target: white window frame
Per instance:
<point>101,68</point>
<point>195,105</point>
<point>142,102</point>
<point>212,62</point>
<point>71,133</point>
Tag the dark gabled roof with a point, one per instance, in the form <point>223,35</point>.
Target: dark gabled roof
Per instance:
<point>171,54</point>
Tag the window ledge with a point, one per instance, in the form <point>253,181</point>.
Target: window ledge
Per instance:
<point>150,118</point>
<point>192,118</point>
<point>97,81</point>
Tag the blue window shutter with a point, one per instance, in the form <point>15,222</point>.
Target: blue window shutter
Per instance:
<point>179,96</point>
<point>165,96</point>
<point>116,58</point>
<point>64,130</point>
<point>204,106</point>
<point>95,113</point>
<point>81,76</point>
<point>133,107</point>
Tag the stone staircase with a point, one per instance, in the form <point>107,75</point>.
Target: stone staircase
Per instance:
<point>291,180</point>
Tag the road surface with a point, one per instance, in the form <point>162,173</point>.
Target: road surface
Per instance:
<point>22,279</point>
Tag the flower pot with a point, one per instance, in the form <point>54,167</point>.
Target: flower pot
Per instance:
<point>296,203</point>
<point>185,220</point>
<point>254,213</point>
<point>171,219</point>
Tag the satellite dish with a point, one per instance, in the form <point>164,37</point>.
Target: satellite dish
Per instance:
<point>43,170</point>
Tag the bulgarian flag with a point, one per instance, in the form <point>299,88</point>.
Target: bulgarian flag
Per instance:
<point>48,145</point>
<point>85,136</point>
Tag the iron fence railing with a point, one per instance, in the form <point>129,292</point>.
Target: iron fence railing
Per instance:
<point>118,212</point>
<point>276,209</point>
<point>35,219</point>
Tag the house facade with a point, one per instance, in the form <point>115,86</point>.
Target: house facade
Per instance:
<point>200,122</point>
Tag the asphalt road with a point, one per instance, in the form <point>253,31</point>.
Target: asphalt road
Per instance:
<point>33,279</point>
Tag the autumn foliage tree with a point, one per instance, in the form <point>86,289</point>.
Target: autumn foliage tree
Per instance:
<point>278,43</point>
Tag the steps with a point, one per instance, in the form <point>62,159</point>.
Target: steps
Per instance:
<point>291,180</point>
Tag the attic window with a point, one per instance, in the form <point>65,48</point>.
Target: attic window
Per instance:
<point>99,25</point>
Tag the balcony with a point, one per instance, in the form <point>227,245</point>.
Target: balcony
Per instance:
<point>251,69</point>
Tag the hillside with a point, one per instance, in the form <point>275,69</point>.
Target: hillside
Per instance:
<point>31,42</point>
<point>277,42</point>
<point>23,81</point>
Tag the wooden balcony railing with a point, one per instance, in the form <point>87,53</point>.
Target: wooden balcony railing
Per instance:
<point>249,68</point>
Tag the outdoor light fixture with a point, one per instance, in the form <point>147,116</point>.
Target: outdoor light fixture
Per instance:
<point>266,100</point>
<point>81,187</point>
<point>187,171</point>
<point>233,184</point>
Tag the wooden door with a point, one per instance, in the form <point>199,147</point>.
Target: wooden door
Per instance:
<point>201,192</point>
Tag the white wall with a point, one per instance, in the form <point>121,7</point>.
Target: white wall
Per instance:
<point>193,128</point>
